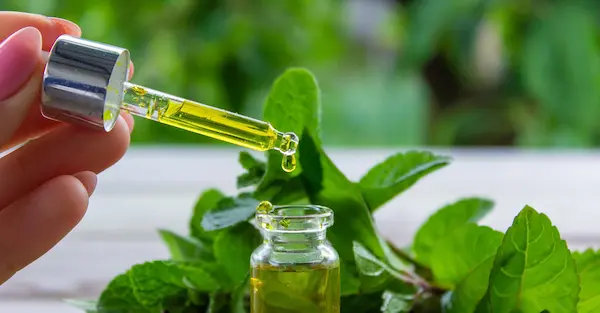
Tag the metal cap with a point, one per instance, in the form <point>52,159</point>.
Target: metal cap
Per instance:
<point>83,82</point>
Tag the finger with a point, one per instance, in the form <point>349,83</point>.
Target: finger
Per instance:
<point>35,124</point>
<point>131,69</point>
<point>32,225</point>
<point>50,28</point>
<point>64,151</point>
<point>19,60</point>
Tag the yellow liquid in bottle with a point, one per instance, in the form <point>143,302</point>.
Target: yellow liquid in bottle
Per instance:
<point>297,289</point>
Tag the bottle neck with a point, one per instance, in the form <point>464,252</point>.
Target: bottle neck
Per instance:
<point>283,241</point>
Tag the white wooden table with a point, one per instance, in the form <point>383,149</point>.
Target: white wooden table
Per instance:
<point>156,188</point>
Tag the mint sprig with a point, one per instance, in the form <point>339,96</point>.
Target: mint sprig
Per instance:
<point>454,264</point>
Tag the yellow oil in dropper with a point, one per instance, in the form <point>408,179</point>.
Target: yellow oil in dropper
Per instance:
<point>210,121</point>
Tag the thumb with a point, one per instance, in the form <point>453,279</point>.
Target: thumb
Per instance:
<point>19,61</point>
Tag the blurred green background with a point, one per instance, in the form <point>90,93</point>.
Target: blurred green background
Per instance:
<point>407,72</point>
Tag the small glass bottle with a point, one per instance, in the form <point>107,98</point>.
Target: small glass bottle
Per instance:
<point>295,270</point>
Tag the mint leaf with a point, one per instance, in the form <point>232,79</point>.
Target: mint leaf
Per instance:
<point>293,105</point>
<point>118,297</point>
<point>470,290</point>
<point>456,255</point>
<point>367,263</point>
<point>207,201</point>
<point>444,221</point>
<point>187,249</point>
<point>197,278</point>
<point>255,170</point>
<point>233,247</point>
<point>89,306</point>
<point>248,161</point>
<point>396,174</point>
<point>396,303</point>
<point>229,211</point>
<point>588,267</point>
<point>290,191</point>
<point>353,221</point>
<point>155,282</point>
<point>376,273</point>
<point>462,261</point>
<point>533,270</point>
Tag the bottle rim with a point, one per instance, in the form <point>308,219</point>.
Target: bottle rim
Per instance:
<point>295,218</point>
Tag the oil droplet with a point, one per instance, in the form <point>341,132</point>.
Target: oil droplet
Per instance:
<point>139,90</point>
<point>108,115</point>
<point>136,99</point>
<point>264,207</point>
<point>284,223</point>
<point>255,283</point>
<point>288,163</point>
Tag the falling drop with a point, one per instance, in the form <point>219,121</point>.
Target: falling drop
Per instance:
<point>288,163</point>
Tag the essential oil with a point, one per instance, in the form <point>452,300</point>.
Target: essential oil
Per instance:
<point>295,289</point>
<point>296,269</point>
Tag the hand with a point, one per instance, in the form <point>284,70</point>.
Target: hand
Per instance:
<point>44,185</point>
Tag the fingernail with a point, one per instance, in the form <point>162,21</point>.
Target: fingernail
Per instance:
<point>88,179</point>
<point>19,57</point>
<point>67,26</point>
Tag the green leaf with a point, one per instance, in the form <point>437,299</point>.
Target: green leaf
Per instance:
<point>187,249</point>
<point>233,247</point>
<point>533,269</point>
<point>350,284</point>
<point>255,170</point>
<point>564,69</point>
<point>293,105</point>
<point>588,267</point>
<point>470,290</point>
<point>353,221</point>
<point>396,303</point>
<point>456,255</point>
<point>444,221</point>
<point>248,162</point>
<point>155,282</point>
<point>229,212</point>
<point>89,306</point>
<point>198,278</point>
<point>462,261</point>
<point>118,297</point>
<point>376,273</point>
<point>396,174</point>
<point>207,201</point>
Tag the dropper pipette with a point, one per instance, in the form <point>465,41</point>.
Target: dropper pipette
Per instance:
<point>85,82</point>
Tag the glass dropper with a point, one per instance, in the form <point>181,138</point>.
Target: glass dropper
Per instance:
<point>85,82</point>
<point>206,120</point>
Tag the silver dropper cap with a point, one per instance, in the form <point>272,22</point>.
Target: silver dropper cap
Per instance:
<point>83,82</point>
